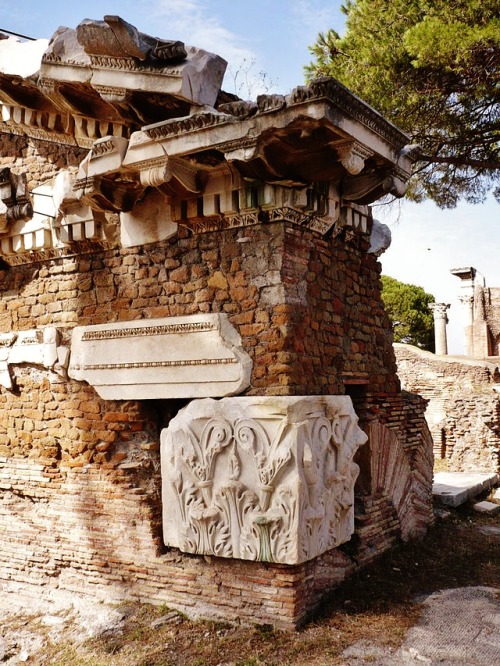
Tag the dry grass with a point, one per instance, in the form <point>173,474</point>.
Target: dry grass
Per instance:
<point>378,604</point>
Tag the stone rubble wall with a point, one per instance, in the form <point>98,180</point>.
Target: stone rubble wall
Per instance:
<point>463,410</point>
<point>80,505</point>
<point>492,313</point>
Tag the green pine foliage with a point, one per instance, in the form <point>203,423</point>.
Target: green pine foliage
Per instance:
<point>407,307</point>
<point>432,68</point>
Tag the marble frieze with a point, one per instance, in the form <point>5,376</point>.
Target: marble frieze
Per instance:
<point>260,478</point>
<point>174,357</point>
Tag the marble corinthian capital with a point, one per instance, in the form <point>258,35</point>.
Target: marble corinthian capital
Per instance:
<point>260,478</point>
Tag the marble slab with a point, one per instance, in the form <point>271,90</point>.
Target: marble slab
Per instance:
<point>174,357</point>
<point>455,488</point>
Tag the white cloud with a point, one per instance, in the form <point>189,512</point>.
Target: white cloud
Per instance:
<point>192,22</point>
<point>314,16</point>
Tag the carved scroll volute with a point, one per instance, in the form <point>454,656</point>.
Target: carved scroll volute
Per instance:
<point>176,171</point>
<point>199,456</point>
<point>15,196</point>
<point>155,176</point>
<point>353,156</point>
<point>269,457</point>
<point>320,459</point>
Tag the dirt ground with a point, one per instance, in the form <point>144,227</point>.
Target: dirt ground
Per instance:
<point>366,620</point>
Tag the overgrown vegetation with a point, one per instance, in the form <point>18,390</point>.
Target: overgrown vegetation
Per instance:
<point>433,69</point>
<point>407,306</point>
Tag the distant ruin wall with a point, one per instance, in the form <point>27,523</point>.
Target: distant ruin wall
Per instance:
<point>463,410</point>
<point>492,316</point>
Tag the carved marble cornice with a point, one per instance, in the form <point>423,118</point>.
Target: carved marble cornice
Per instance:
<point>101,83</point>
<point>316,208</point>
<point>46,254</point>
<point>197,121</point>
<point>267,103</point>
<point>194,356</point>
<point>62,225</point>
<point>240,109</point>
<point>350,105</point>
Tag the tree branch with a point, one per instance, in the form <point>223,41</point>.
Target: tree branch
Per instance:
<point>460,161</point>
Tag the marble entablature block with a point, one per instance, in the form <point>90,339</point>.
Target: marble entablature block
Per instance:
<point>174,357</point>
<point>260,478</point>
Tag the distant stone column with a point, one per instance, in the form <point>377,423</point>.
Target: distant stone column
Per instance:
<point>440,321</point>
<point>467,301</point>
<point>467,277</point>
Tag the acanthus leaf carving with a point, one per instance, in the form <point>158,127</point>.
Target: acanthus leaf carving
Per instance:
<point>269,479</point>
<point>353,156</point>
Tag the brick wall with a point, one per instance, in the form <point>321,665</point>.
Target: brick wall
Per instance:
<point>463,410</point>
<point>492,312</point>
<point>80,505</point>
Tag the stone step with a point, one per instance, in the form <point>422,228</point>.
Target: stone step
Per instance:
<point>455,488</point>
<point>489,508</point>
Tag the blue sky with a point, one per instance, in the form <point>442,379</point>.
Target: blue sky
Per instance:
<point>272,36</point>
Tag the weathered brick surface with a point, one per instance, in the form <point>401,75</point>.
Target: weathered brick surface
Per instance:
<point>464,410</point>
<point>80,504</point>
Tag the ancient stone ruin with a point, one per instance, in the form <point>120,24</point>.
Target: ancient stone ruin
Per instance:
<point>199,400</point>
<point>462,391</point>
<point>482,310</point>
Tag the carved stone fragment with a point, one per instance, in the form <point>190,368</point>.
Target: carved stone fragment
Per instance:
<point>116,38</point>
<point>150,221</point>
<point>14,195</point>
<point>36,347</point>
<point>260,478</point>
<point>174,357</point>
<point>380,238</point>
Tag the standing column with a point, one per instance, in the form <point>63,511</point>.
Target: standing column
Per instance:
<point>467,301</point>
<point>467,277</point>
<point>440,321</point>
